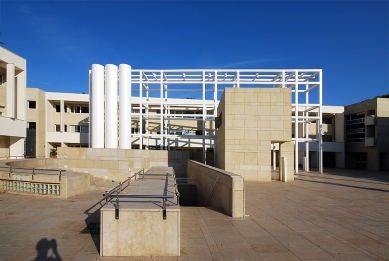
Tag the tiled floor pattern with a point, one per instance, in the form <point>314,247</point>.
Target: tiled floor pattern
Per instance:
<point>338,216</point>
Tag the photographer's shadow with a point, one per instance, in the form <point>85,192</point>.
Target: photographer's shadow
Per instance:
<point>47,250</point>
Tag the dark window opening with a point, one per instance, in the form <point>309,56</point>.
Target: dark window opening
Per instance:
<point>32,104</point>
<point>32,125</point>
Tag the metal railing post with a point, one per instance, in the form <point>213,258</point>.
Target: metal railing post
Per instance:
<point>117,208</point>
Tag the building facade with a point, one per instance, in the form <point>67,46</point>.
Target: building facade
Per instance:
<point>13,69</point>
<point>366,132</point>
<point>185,115</point>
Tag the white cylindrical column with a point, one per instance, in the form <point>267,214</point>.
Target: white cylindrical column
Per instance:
<point>10,107</point>
<point>124,106</point>
<point>96,103</point>
<point>111,106</point>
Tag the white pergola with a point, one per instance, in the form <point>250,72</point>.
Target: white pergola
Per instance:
<point>163,90</point>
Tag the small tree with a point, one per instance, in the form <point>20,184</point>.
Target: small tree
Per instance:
<point>53,152</point>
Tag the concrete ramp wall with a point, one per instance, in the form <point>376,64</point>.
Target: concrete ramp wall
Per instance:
<point>218,188</point>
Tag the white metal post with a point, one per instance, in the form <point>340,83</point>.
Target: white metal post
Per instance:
<point>320,145</point>
<point>296,123</point>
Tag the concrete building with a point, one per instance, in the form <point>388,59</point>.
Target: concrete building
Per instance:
<point>216,119</point>
<point>332,136</point>
<point>60,120</point>
<point>366,132</point>
<point>113,90</point>
<point>13,71</point>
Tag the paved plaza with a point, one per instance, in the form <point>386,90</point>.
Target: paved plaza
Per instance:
<point>340,215</point>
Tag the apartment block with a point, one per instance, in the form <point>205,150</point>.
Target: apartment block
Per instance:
<point>13,70</point>
<point>56,120</point>
<point>366,134</point>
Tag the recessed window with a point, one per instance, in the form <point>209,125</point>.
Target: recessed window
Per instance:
<point>58,128</point>
<point>32,104</point>
<point>327,120</point>
<point>84,129</point>
<point>79,109</point>
<point>84,109</point>
<point>75,128</point>
<point>57,108</point>
<point>32,125</point>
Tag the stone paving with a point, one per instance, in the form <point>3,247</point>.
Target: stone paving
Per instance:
<point>340,215</point>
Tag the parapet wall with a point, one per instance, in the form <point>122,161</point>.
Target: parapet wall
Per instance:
<point>218,188</point>
<point>67,185</point>
<point>114,164</point>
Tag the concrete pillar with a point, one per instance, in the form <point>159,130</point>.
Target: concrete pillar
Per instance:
<point>21,108</point>
<point>10,107</point>
<point>124,106</point>
<point>96,103</point>
<point>111,106</point>
<point>61,108</point>
<point>286,150</point>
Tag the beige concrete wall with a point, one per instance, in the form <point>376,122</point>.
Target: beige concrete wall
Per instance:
<point>4,146</point>
<point>37,115</point>
<point>252,118</point>
<point>218,188</point>
<point>139,232</point>
<point>71,184</point>
<point>111,164</point>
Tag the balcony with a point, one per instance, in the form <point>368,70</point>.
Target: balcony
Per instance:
<point>369,142</point>
<point>355,131</point>
<point>370,120</point>
<point>355,121</point>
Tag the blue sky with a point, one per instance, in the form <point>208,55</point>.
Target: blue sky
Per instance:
<point>61,40</point>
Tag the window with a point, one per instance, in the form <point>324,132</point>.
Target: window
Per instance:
<point>31,104</point>
<point>75,109</point>
<point>58,128</point>
<point>327,138</point>
<point>75,128</point>
<point>327,120</point>
<point>84,129</point>
<point>1,79</point>
<point>57,108</point>
<point>84,109</point>
<point>32,125</point>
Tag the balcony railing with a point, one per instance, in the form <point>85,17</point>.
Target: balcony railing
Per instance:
<point>356,121</point>
<point>355,131</point>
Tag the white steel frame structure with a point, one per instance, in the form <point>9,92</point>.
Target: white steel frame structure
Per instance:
<point>148,90</point>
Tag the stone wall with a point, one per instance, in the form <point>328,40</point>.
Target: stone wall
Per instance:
<point>218,188</point>
<point>252,118</point>
<point>111,164</point>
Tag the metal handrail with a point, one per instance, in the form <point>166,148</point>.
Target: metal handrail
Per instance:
<point>115,192</point>
<point>120,185</point>
<point>32,172</point>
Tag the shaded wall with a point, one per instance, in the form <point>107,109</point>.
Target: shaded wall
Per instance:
<point>218,188</point>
